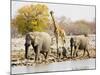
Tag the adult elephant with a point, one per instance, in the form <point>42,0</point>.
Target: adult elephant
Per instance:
<point>79,43</point>
<point>40,42</point>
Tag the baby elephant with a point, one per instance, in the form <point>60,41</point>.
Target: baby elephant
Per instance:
<point>40,42</point>
<point>62,52</point>
<point>79,43</point>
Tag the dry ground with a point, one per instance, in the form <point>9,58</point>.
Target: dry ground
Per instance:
<point>17,57</point>
<point>17,54</point>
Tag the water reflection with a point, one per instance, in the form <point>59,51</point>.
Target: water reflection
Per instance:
<point>58,66</point>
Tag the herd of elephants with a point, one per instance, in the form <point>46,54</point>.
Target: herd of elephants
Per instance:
<point>41,42</point>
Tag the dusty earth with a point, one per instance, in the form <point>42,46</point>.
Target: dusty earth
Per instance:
<point>18,59</point>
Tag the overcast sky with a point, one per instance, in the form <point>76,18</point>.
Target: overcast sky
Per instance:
<point>74,12</point>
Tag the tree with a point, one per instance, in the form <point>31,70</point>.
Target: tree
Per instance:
<point>31,18</point>
<point>83,27</point>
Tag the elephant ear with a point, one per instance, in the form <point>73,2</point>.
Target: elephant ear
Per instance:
<point>32,36</point>
<point>37,40</point>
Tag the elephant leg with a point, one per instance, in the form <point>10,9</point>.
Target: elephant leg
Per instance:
<point>37,55</point>
<point>34,48</point>
<point>46,56</point>
<point>60,55</point>
<point>26,50</point>
<point>84,52</point>
<point>42,52</point>
<point>74,51</point>
<point>88,53</point>
<point>37,52</point>
<point>77,53</point>
<point>71,54</point>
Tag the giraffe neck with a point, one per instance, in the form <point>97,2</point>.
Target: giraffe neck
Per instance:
<point>55,27</point>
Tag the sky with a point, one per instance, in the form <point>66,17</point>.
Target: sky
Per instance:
<point>74,12</point>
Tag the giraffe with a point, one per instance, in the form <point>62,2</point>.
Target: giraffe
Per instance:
<point>61,33</point>
<point>58,32</point>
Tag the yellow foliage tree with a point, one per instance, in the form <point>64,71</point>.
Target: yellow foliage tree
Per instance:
<point>31,18</point>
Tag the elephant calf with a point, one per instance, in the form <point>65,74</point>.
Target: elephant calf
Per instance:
<point>79,43</point>
<point>40,42</point>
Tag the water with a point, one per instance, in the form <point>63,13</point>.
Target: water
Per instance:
<point>57,66</point>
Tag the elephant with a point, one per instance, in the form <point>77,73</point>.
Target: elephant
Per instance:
<point>40,42</point>
<point>79,43</point>
<point>62,53</point>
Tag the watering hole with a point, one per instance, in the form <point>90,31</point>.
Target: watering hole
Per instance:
<point>57,66</point>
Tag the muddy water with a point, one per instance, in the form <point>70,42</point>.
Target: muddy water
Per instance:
<point>57,66</point>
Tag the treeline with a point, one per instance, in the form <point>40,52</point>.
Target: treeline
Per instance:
<point>81,27</point>
<point>76,27</point>
<point>37,18</point>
